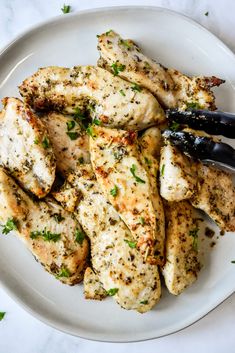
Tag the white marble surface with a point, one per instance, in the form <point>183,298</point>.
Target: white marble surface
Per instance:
<point>21,333</point>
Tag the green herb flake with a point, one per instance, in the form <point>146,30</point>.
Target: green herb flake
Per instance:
<point>125,43</point>
<point>133,170</point>
<point>162,169</point>
<point>174,126</point>
<point>122,92</point>
<point>142,221</point>
<point>64,272</point>
<point>79,236</point>
<point>207,13</point>
<point>194,233</point>
<point>112,291</point>
<point>193,105</point>
<point>117,68</point>
<point>2,314</point>
<point>114,191</point>
<point>9,226</point>
<point>66,9</point>
<point>73,135</point>
<point>90,131</point>
<point>58,218</point>
<point>108,32</point>
<point>147,161</point>
<point>78,114</point>
<point>96,122</point>
<point>36,142</point>
<point>70,125</point>
<point>136,87</point>
<point>132,244</point>
<point>46,235</point>
<point>233,262</point>
<point>45,143</point>
<point>144,302</point>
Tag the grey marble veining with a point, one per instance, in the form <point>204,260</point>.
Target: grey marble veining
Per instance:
<point>19,331</point>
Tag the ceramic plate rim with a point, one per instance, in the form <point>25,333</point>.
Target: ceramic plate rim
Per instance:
<point>8,290</point>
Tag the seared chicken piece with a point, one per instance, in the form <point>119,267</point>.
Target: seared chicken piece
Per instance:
<point>109,99</point>
<point>182,264</point>
<point>215,195</point>
<point>25,149</point>
<point>178,176</point>
<point>92,287</point>
<point>69,141</point>
<point>150,145</point>
<point>52,234</point>
<point>117,164</point>
<point>171,87</point>
<point>124,274</point>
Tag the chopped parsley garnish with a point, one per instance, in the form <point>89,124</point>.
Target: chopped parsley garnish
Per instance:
<point>58,218</point>
<point>112,291</point>
<point>233,262</point>
<point>117,68</point>
<point>46,235</point>
<point>90,131</point>
<point>194,233</point>
<point>36,142</point>
<point>132,244</point>
<point>91,107</point>
<point>45,143</point>
<point>73,135</point>
<point>108,32</point>
<point>96,122</point>
<point>114,191</point>
<point>122,92</point>
<point>147,161</point>
<point>70,124</point>
<point>144,302</point>
<point>2,314</point>
<point>9,226</point>
<point>81,160</point>
<point>136,87</point>
<point>207,13</point>
<point>162,169</point>
<point>125,43</point>
<point>193,105</point>
<point>133,170</point>
<point>66,9</point>
<point>142,221</point>
<point>79,236</point>
<point>64,272</point>
<point>78,114</point>
<point>174,126</point>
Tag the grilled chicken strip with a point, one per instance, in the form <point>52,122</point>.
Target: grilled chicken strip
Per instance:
<point>117,164</point>
<point>124,274</point>
<point>52,234</point>
<point>115,102</point>
<point>69,141</point>
<point>182,264</point>
<point>171,87</point>
<point>92,286</point>
<point>25,149</point>
<point>178,176</point>
<point>150,144</point>
<point>215,195</point>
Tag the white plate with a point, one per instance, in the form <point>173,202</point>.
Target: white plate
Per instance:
<point>173,40</point>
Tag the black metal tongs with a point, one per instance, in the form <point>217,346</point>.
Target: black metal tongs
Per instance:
<point>203,147</point>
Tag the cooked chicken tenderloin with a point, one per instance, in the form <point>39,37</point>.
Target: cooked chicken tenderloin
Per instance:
<point>52,234</point>
<point>25,149</point>
<point>109,99</point>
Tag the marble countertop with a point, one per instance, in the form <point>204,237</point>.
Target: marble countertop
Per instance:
<point>20,332</point>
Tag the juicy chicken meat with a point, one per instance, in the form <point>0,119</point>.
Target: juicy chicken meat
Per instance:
<point>150,144</point>
<point>110,99</point>
<point>25,149</point>
<point>122,176</point>
<point>178,176</point>
<point>133,283</point>
<point>215,195</point>
<point>93,288</point>
<point>182,264</point>
<point>171,87</point>
<point>52,234</point>
<point>69,141</point>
